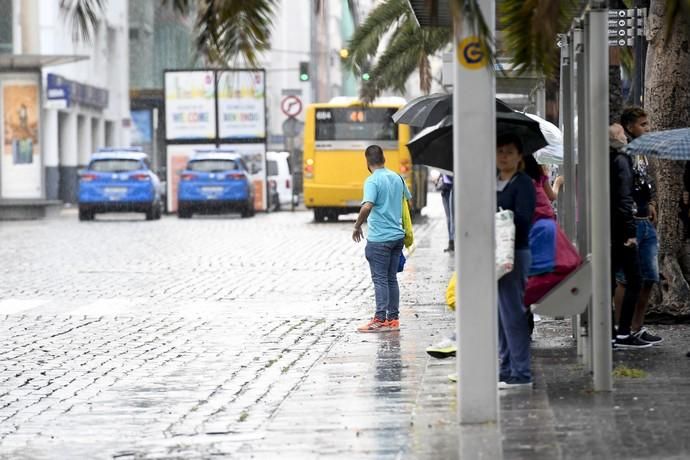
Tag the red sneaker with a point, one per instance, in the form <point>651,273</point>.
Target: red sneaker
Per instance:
<point>375,325</point>
<point>393,324</point>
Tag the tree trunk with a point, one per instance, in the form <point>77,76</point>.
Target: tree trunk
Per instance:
<point>667,101</point>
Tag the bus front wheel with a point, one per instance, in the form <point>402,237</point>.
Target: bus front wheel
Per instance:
<point>319,215</point>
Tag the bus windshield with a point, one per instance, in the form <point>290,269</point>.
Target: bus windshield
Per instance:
<point>356,124</point>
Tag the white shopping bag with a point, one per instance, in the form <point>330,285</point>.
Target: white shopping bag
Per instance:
<point>505,242</point>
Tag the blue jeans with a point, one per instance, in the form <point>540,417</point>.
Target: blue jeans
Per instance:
<point>447,198</point>
<point>513,325</point>
<point>383,261</point>
<point>648,253</point>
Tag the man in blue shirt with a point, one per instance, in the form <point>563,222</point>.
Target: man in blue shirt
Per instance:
<point>381,207</point>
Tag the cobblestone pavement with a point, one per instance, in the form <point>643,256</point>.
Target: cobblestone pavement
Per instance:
<point>221,337</point>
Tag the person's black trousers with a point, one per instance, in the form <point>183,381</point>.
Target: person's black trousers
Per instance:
<point>625,259</point>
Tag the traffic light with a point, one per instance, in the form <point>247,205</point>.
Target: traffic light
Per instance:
<point>365,75</point>
<point>304,71</point>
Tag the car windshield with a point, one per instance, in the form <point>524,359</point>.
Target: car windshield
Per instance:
<point>115,165</point>
<point>272,168</point>
<point>212,165</point>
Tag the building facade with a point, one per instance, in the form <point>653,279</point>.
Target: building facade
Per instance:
<point>80,105</point>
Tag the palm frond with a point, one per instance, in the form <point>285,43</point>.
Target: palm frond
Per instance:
<point>228,31</point>
<point>531,28</point>
<point>367,37</point>
<point>182,7</point>
<point>82,15</point>
<point>408,52</point>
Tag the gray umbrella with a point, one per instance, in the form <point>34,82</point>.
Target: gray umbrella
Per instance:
<point>673,144</point>
<point>430,110</point>
<point>425,110</point>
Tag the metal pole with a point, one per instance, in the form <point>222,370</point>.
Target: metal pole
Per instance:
<point>582,176</point>
<point>474,166</point>
<point>566,208</point>
<point>638,43</point>
<point>599,171</point>
<point>567,200</point>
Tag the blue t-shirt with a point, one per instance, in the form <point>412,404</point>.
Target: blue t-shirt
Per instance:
<point>385,190</point>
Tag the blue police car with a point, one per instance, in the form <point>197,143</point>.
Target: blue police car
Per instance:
<point>215,181</point>
<point>119,180</point>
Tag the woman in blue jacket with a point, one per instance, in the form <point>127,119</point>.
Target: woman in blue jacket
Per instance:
<point>515,192</point>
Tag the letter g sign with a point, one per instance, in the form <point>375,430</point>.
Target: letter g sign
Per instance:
<point>472,54</point>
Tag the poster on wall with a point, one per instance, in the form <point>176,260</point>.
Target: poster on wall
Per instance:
<point>190,105</point>
<point>21,149</point>
<point>142,129</point>
<point>254,157</point>
<point>241,105</point>
<point>177,157</point>
<point>20,121</point>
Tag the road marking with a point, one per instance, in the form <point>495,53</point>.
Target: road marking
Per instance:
<point>13,306</point>
<point>103,307</point>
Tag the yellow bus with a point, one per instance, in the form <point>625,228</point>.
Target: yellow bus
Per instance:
<point>335,137</point>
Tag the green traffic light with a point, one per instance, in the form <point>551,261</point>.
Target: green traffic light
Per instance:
<point>365,77</point>
<point>304,77</point>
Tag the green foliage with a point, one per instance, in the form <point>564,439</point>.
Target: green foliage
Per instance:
<point>408,48</point>
<point>628,372</point>
<point>530,30</point>
<point>83,16</point>
<point>228,30</point>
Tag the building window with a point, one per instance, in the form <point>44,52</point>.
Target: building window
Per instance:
<point>6,26</point>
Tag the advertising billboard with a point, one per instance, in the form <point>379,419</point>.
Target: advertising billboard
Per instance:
<point>21,149</point>
<point>190,111</point>
<point>241,104</point>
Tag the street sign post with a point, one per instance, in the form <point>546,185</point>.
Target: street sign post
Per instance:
<point>291,106</point>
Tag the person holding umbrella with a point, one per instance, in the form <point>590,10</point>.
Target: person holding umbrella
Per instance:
<point>635,123</point>
<point>515,192</point>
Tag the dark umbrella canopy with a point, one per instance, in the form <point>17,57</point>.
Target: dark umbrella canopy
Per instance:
<point>431,109</point>
<point>424,110</point>
<point>433,146</point>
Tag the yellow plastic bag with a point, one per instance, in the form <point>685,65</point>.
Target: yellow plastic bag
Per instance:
<point>450,292</point>
<point>407,224</point>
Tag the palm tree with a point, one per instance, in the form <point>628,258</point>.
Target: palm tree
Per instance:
<point>407,49</point>
<point>227,30</point>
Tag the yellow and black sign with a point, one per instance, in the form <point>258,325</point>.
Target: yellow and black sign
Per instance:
<point>472,54</point>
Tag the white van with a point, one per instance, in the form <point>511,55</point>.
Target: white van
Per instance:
<point>279,176</point>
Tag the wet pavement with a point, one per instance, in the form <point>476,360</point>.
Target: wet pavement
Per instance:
<point>235,338</point>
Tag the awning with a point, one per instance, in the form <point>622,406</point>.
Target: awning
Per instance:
<point>36,61</point>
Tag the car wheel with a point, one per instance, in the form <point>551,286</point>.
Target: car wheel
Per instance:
<point>248,211</point>
<point>319,215</point>
<point>184,213</point>
<point>159,211</point>
<point>85,214</point>
<point>151,212</point>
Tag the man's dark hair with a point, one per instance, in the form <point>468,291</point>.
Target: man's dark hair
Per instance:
<point>374,155</point>
<point>510,138</point>
<point>631,114</point>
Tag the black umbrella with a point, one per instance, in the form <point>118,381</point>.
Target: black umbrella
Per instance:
<point>433,146</point>
<point>425,110</point>
<point>431,109</point>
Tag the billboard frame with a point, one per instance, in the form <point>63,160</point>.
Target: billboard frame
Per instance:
<point>216,140</point>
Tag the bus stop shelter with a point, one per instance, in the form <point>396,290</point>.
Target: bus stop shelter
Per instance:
<point>585,99</point>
